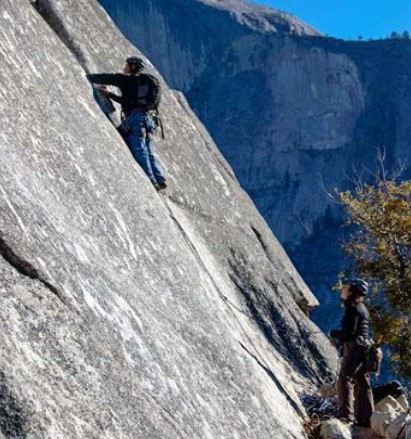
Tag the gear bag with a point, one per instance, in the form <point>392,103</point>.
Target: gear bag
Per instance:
<point>149,92</point>
<point>149,97</point>
<point>391,388</point>
<point>372,354</point>
<point>373,358</point>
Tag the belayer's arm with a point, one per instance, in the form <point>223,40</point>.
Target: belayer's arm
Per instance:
<point>106,78</point>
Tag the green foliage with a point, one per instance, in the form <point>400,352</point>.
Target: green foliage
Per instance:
<point>381,249</point>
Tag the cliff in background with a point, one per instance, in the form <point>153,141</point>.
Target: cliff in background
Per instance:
<point>295,114</point>
<point>125,313</point>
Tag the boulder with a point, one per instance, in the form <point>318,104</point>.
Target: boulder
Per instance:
<point>335,429</point>
<point>380,421</point>
<point>390,403</point>
<point>399,427</point>
<point>391,418</point>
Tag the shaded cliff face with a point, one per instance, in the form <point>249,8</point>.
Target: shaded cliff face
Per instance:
<point>126,313</point>
<point>186,38</point>
<point>296,115</point>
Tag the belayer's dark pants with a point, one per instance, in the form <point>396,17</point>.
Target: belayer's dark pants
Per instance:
<point>355,400</point>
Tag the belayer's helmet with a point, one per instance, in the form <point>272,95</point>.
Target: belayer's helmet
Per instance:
<point>139,63</point>
<point>358,286</point>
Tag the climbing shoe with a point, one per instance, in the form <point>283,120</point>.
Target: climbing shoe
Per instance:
<point>160,186</point>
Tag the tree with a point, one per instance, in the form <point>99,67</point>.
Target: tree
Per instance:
<point>405,35</point>
<point>381,251</point>
<point>394,35</point>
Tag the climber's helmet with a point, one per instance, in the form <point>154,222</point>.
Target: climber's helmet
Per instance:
<point>134,65</point>
<point>358,287</point>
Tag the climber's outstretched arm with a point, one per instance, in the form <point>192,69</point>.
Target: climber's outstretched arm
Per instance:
<point>106,78</point>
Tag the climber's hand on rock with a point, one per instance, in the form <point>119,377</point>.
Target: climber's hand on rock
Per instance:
<point>103,90</point>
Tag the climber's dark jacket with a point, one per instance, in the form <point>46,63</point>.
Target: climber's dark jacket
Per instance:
<point>355,323</point>
<point>129,86</point>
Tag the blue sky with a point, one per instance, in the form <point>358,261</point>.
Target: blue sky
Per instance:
<point>350,18</point>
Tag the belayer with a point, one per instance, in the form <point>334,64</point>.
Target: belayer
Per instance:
<point>355,398</point>
<point>140,94</point>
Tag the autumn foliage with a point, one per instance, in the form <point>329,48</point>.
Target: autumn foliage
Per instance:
<point>381,250</point>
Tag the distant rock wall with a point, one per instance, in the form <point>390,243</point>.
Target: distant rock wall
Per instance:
<point>186,38</point>
<point>125,313</point>
<point>297,116</point>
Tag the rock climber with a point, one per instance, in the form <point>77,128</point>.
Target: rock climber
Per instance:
<point>140,94</point>
<point>355,399</point>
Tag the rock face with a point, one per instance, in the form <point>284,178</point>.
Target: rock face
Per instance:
<point>295,114</point>
<point>125,313</point>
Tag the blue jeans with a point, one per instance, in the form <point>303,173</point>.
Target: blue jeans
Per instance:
<point>137,130</point>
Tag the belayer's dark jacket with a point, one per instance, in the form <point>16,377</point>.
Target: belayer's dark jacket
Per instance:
<point>129,86</point>
<point>355,323</point>
<point>355,400</point>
